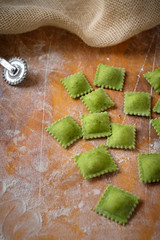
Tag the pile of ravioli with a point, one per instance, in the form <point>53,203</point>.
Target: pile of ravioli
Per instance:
<point>115,203</point>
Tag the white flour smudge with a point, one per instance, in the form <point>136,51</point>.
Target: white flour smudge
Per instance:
<point>22,149</point>
<point>42,166</point>
<point>156,146</point>
<point>19,139</point>
<point>15,218</point>
<point>12,133</point>
<point>81,204</point>
<point>96,191</point>
<point>60,212</point>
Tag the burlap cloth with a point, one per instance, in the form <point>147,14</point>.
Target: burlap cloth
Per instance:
<point>98,22</point>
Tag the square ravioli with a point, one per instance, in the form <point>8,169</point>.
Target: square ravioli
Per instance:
<point>109,77</point>
<point>156,124</point>
<point>96,125</point>
<point>117,204</point>
<point>149,167</point>
<point>66,131</point>
<point>76,85</point>
<point>154,79</point>
<point>97,101</point>
<point>95,162</point>
<point>123,136</point>
<point>137,103</point>
<point>157,107</point>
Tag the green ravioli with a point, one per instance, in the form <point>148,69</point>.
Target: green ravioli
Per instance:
<point>156,124</point>
<point>65,130</point>
<point>149,167</point>
<point>109,77</point>
<point>96,125</point>
<point>117,204</point>
<point>157,107</point>
<point>76,85</point>
<point>123,136</point>
<point>137,103</point>
<point>154,79</point>
<point>97,101</point>
<point>95,162</point>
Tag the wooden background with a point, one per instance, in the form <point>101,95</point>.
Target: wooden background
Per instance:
<point>43,196</point>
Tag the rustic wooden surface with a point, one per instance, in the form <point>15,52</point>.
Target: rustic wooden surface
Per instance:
<point>42,193</point>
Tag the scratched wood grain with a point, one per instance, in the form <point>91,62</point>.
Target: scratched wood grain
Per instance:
<point>42,193</point>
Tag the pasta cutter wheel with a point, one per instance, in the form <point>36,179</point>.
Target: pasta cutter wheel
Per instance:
<point>14,71</point>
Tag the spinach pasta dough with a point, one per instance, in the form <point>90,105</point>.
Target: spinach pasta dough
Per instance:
<point>109,77</point>
<point>96,125</point>
<point>97,101</point>
<point>156,124</point>
<point>157,107</point>
<point>117,204</point>
<point>149,167</point>
<point>137,103</point>
<point>154,79</point>
<point>66,130</point>
<point>95,162</point>
<point>76,85</point>
<point>123,136</point>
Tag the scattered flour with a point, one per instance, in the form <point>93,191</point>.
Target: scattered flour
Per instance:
<point>42,166</point>
<point>81,204</point>
<point>22,149</point>
<point>96,191</point>
<point>19,138</point>
<point>12,133</point>
<point>16,216</point>
<point>60,212</point>
<point>156,146</point>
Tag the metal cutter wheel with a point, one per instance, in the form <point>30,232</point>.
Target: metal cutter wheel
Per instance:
<point>14,71</point>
